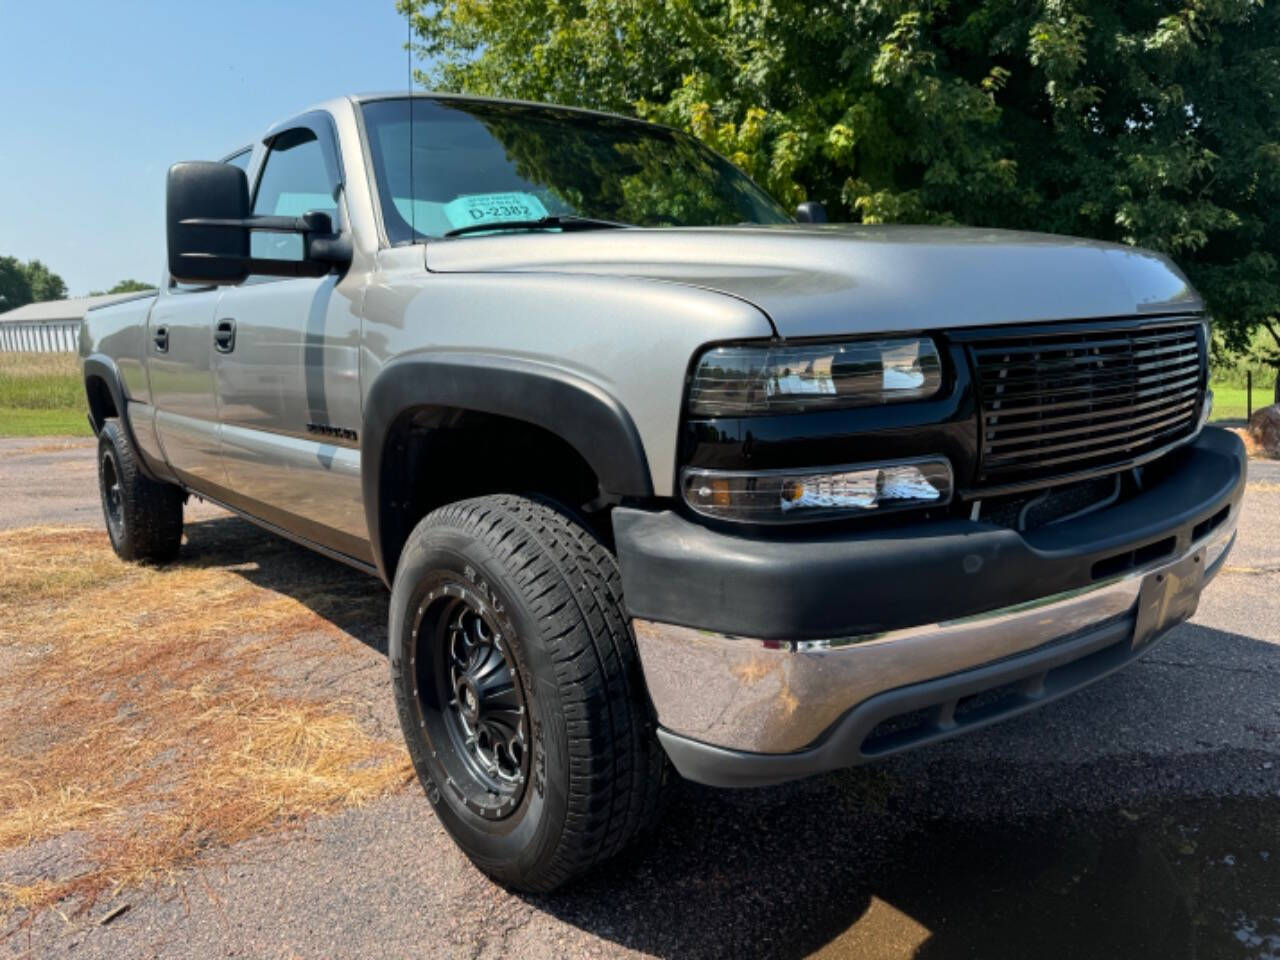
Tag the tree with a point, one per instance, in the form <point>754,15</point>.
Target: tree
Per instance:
<point>1154,123</point>
<point>125,286</point>
<point>45,284</point>
<point>23,283</point>
<point>15,288</point>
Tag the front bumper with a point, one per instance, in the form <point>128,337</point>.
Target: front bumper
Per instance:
<point>742,707</point>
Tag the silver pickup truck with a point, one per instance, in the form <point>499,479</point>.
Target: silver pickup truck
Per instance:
<point>657,475</point>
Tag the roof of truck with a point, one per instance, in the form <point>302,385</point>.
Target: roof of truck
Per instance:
<point>334,104</point>
<point>472,98</point>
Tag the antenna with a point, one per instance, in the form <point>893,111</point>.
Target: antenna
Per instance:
<point>408,52</point>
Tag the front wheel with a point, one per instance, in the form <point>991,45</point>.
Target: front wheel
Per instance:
<point>519,690</point>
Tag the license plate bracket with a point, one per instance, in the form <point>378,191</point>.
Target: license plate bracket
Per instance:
<point>1168,597</point>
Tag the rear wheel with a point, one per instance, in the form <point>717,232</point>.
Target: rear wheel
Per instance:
<point>519,690</point>
<point>144,518</point>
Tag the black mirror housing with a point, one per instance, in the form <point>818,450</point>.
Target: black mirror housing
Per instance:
<point>210,227</point>
<point>206,254</point>
<point>811,211</point>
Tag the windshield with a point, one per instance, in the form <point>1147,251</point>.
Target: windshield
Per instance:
<point>477,162</point>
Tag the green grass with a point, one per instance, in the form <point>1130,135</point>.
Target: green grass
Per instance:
<point>23,422</point>
<point>1229,403</point>
<point>41,395</point>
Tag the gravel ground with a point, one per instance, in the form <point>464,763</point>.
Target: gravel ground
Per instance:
<point>54,481</point>
<point>1138,818</point>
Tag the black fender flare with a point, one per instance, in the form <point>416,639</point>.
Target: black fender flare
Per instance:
<point>102,367</point>
<point>578,411</point>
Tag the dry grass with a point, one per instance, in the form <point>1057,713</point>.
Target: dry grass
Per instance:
<point>145,710</point>
<point>25,363</point>
<point>1251,446</point>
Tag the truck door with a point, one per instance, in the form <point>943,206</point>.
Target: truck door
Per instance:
<point>286,361</point>
<point>179,348</point>
<point>179,362</point>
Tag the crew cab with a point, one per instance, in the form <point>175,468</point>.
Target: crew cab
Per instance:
<point>660,475</point>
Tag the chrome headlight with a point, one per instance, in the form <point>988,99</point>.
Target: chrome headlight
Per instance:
<point>826,493</point>
<point>742,379</point>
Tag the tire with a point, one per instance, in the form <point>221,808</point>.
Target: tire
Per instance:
<point>143,517</point>
<point>564,768</point>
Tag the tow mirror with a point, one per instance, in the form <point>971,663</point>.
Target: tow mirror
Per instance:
<point>204,253</point>
<point>210,227</point>
<point>811,211</point>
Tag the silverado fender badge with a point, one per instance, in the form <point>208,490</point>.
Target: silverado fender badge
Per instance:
<point>324,429</point>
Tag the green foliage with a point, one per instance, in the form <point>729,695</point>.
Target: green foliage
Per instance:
<point>1229,367</point>
<point>1155,123</point>
<point>15,288</point>
<point>23,283</point>
<point>45,284</point>
<point>125,286</point>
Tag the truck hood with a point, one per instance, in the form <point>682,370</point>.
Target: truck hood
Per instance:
<point>814,280</point>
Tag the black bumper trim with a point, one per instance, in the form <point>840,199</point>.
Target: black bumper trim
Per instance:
<point>854,583</point>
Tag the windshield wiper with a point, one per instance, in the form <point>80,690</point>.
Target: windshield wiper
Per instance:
<point>542,223</point>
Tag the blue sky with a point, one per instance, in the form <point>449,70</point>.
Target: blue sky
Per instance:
<point>97,99</point>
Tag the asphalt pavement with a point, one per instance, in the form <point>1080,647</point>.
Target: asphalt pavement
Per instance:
<point>1137,818</point>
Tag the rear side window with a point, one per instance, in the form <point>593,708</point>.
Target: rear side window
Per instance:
<point>294,180</point>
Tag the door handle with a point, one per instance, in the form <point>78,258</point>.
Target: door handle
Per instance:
<point>224,335</point>
<point>161,337</point>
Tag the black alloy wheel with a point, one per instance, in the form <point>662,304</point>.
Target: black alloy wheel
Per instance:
<point>470,685</point>
<point>112,495</point>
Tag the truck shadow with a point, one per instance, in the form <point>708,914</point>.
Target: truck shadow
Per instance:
<point>877,864</point>
<point>1053,835</point>
<point>352,601</point>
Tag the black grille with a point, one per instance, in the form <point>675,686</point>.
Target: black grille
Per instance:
<point>1060,403</point>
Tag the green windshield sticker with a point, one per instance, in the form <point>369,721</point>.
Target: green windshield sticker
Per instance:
<point>482,208</point>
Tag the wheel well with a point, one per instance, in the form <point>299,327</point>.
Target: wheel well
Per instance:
<point>435,455</point>
<point>101,404</point>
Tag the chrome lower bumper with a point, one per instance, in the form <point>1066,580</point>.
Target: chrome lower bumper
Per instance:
<point>732,693</point>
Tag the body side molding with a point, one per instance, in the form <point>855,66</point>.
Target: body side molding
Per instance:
<point>590,420</point>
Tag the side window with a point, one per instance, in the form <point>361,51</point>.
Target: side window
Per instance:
<point>294,179</point>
